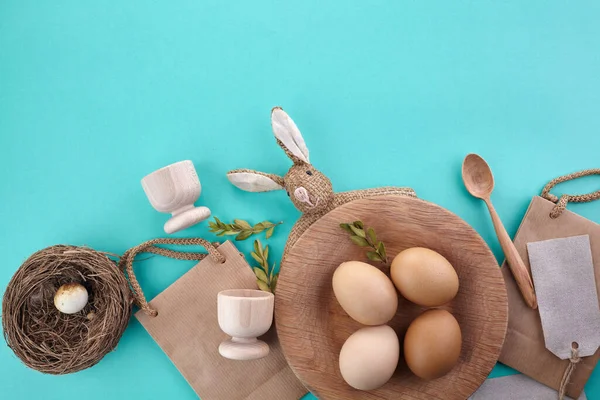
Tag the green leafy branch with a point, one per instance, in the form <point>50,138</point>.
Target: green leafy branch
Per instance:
<point>266,278</point>
<point>366,238</point>
<point>241,229</point>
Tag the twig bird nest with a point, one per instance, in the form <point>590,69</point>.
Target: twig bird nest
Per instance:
<point>53,342</point>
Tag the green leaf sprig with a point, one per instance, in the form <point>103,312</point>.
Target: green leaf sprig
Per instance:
<point>366,238</point>
<point>241,229</point>
<point>266,278</point>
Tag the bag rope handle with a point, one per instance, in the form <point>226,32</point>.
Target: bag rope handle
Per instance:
<point>561,203</point>
<point>126,262</point>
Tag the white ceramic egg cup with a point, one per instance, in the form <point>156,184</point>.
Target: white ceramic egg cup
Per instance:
<point>174,189</point>
<point>245,314</point>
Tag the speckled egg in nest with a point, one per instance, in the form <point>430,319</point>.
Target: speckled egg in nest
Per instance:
<point>53,342</point>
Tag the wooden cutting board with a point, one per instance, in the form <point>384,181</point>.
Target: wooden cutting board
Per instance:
<point>312,326</point>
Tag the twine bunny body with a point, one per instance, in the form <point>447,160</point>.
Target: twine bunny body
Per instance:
<point>309,189</point>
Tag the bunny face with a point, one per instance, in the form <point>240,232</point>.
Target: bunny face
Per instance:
<point>309,189</point>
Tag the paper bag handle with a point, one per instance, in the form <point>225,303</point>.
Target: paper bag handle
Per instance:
<point>126,262</point>
<point>561,203</point>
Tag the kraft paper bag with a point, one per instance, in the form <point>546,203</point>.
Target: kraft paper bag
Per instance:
<point>185,327</point>
<point>524,347</point>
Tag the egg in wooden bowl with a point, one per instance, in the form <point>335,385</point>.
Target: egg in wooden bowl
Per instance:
<point>424,277</point>
<point>432,344</point>
<point>312,326</point>
<point>365,293</point>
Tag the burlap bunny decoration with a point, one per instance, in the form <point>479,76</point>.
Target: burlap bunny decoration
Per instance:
<point>310,190</point>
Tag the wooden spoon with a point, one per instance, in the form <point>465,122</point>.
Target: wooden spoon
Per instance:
<point>479,181</point>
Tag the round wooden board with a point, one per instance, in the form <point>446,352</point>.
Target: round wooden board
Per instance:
<point>312,327</point>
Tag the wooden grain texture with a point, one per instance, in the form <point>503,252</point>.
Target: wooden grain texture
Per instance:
<point>515,262</point>
<point>244,351</point>
<point>312,326</point>
<point>174,189</point>
<point>244,314</point>
<point>524,349</point>
<point>479,181</point>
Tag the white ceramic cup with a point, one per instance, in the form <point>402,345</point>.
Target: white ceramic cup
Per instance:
<point>245,314</point>
<point>174,189</point>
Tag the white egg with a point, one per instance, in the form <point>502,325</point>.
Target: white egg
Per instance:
<point>70,298</point>
<point>369,357</point>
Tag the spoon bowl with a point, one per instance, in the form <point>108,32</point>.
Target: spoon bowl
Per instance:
<point>477,177</point>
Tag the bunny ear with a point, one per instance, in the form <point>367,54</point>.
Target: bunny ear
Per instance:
<point>288,134</point>
<point>254,181</point>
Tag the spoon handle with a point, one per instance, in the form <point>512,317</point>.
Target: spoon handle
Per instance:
<point>515,263</point>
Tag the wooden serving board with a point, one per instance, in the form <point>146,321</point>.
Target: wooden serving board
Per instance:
<point>312,326</point>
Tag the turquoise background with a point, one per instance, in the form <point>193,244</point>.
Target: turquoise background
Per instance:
<point>94,95</point>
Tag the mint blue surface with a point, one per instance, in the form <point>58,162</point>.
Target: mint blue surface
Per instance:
<point>96,94</point>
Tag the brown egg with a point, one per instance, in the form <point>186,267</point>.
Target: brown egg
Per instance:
<point>369,357</point>
<point>365,293</point>
<point>432,344</point>
<point>424,277</point>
